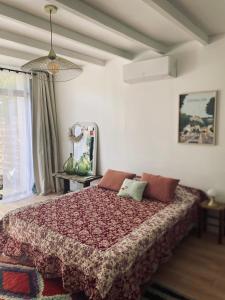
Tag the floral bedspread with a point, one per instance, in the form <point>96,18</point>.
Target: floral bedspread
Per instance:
<point>99,242</point>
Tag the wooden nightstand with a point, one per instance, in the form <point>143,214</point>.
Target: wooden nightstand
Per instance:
<point>203,218</point>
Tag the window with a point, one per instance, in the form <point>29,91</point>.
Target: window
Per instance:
<point>16,168</point>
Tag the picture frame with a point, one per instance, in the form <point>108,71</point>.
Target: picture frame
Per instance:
<point>197,118</point>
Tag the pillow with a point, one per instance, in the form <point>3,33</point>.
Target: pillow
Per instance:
<point>132,189</point>
<point>112,179</point>
<point>159,187</point>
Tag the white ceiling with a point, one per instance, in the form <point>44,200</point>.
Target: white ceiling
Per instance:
<point>208,15</point>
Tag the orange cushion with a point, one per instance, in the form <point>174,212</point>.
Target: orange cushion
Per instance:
<point>159,188</point>
<point>113,180</point>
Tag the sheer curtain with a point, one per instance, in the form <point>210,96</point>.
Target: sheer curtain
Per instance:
<point>16,163</point>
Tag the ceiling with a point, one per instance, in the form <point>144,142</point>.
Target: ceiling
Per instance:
<point>90,31</point>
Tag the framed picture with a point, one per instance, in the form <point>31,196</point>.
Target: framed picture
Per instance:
<point>197,118</point>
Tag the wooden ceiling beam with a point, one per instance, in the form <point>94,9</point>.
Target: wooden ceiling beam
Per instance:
<point>17,53</point>
<point>169,11</point>
<point>20,39</point>
<point>94,15</point>
<point>31,20</point>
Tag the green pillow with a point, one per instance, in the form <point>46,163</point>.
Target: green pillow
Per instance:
<point>132,189</point>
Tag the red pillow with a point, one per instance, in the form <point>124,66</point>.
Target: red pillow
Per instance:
<point>113,180</point>
<point>160,188</point>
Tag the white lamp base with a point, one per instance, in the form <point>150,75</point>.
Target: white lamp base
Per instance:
<point>212,201</point>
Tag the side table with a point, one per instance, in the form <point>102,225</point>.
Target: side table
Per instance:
<point>204,208</point>
<point>84,180</point>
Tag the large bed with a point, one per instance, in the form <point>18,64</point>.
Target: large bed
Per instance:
<point>98,242</point>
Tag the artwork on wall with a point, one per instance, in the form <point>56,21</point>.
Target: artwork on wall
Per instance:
<point>197,118</point>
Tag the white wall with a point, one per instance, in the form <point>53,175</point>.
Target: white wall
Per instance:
<point>138,123</point>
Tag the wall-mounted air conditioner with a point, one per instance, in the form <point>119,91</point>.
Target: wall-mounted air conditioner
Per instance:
<point>149,70</point>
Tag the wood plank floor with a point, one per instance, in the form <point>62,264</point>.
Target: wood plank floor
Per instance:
<point>197,269</point>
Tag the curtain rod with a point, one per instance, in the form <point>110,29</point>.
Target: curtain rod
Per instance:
<point>17,71</point>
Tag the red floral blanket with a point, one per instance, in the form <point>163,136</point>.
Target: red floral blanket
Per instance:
<point>94,217</point>
<point>93,237</point>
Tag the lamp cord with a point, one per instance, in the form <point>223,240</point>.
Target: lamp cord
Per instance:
<point>51,26</point>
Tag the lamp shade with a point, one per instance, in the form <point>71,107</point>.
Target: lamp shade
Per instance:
<point>60,68</point>
<point>211,193</point>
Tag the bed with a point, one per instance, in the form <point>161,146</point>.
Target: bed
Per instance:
<point>98,242</point>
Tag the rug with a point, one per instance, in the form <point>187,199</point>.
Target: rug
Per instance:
<point>22,281</point>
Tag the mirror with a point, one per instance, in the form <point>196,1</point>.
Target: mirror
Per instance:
<point>84,138</point>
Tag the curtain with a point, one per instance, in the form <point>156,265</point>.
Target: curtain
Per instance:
<point>16,163</point>
<point>44,134</point>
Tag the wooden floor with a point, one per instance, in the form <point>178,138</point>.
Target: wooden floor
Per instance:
<point>197,269</point>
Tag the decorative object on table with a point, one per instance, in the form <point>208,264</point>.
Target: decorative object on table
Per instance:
<point>70,165</point>
<point>84,138</point>
<point>197,118</point>
<point>211,193</point>
<point>204,216</point>
<point>61,68</point>
<point>83,166</point>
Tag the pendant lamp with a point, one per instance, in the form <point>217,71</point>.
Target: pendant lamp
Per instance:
<point>61,68</point>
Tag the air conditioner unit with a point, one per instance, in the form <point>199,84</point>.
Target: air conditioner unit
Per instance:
<point>149,70</point>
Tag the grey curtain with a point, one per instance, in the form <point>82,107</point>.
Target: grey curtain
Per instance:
<point>45,134</point>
